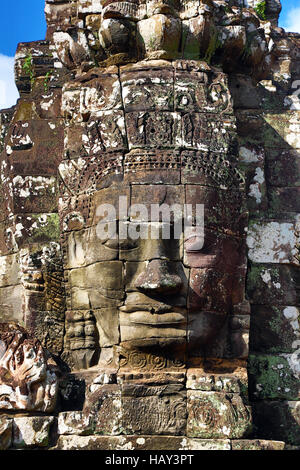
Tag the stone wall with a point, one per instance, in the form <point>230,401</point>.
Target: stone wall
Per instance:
<point>271,157</point>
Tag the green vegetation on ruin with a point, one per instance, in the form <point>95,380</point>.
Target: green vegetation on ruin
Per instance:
<point>272,377</point>
<point>260,10</point>
<point>28,68</point>
<point>213,46</point>
<point>46,80</point>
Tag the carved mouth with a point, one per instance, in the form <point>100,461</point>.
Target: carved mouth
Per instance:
<point>159,308</point>
<point>154,315</point>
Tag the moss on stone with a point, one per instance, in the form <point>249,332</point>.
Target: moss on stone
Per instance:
<point>271,377</point>
<point>260,10</point>
<point>25,111</point>
<point>253,275</point>
<point>45,231</point>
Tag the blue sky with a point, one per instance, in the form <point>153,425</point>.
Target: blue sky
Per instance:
<point>20,21</point>
<point>290,15</point>
<point>23,20</point>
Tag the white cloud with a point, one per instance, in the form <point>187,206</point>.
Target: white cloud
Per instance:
<point>292,22</point>
<point>8,90</point>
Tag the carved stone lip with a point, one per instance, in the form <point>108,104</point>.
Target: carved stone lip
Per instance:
<point>160,308</point>
<point>147,318</point>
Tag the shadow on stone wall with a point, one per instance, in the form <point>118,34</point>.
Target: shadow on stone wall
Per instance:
<point>268,129</point>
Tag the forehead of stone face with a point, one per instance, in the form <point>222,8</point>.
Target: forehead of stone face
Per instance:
<point>168,201</point>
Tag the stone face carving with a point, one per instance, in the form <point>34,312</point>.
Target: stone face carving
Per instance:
<point>163,294</point>
<point>134,115</point>
<point>27,379</point>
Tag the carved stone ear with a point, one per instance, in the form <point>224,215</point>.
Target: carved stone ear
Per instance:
<point>117,36</point>
<point>72,51</point>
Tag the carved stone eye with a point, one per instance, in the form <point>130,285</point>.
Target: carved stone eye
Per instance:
<point>194,244</point>
<point>124,245</point>
<point>128,244</point>
<point>112,244</point>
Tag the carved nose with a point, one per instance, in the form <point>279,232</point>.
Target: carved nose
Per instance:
<point>157,278</point>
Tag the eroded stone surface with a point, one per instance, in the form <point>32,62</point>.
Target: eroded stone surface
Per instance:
<point>74,422</point>
<point>32,431</point>
<point>139,443</point>
<point>258,444</point>
<point>212,415</point>
<point>5,432</point>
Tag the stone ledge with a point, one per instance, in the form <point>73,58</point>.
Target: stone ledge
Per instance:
<point>257,444</point>
<point>161,443</point>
